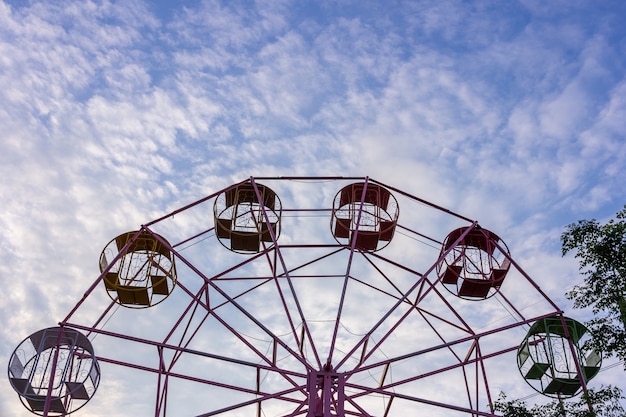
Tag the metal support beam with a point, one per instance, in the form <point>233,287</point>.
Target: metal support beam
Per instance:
<point>326,393</point>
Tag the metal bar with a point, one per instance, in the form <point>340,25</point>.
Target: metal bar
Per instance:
<point>279,395</point>
<point>193,304</point>
<point>101,276</point>
<point>427,203</point>
<point>467,387</point>
<point>445,345</point>
<point>258,389</point>
<point>195,203</point>
<point>532,282</point>
<point>264,396</point>
<point>250,316</point>
<point>400,301</point>
<point>579,370</point>
<point>288,278</point>
<point>348,268</point>
<point>161,391</point>
<point>371,390</point>
<point>185,350</point>
<point>55,360</point>
<point>388,408</point>
<point>485,381</point>
<point>189,239</point>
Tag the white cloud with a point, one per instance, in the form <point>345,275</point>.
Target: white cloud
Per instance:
<point>112,114</point>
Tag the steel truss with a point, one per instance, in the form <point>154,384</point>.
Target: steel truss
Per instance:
<point>310,325</point>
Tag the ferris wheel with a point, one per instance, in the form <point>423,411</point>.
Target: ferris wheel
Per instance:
<point>305,296</point>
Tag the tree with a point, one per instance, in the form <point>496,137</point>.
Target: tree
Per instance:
<point>511,408</point>
<point>605,401</point>
<point>601,252</point>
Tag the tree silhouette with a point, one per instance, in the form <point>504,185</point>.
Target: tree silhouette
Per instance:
<point>601,252</point>
<point>605,402</point>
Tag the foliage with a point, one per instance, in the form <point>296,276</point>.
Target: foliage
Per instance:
<point>605,403</point>
<point>601,252</point>
<point>511,408</point>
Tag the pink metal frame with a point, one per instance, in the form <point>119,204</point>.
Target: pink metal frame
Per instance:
<point>313,384</point>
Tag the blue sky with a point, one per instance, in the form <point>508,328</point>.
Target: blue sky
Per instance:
<point>113,113</point>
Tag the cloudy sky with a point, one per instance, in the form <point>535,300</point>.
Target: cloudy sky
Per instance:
<point>114,113</point>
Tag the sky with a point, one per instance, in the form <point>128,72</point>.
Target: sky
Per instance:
<point>115,113</point>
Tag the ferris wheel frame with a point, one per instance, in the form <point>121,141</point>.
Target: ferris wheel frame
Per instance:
<point>285,365</point>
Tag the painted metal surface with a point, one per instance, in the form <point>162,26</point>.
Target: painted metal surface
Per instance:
<point>334,306</point>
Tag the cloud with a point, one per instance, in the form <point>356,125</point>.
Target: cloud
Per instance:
<point>113,114</point>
